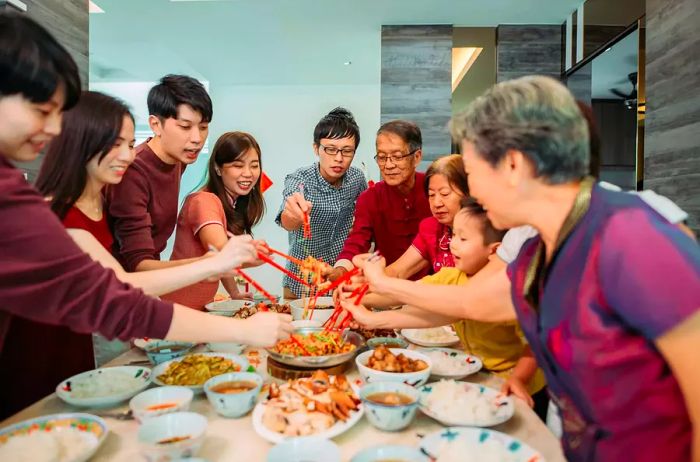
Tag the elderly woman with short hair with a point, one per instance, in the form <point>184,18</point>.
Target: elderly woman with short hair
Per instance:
<point>608,294</point>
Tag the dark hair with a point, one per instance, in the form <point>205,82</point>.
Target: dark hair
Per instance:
<point>472,208</point>
<point>593,137</point>
<point>452,167</point>
<point>89,129</point>
<point>174,90</point>
<point>249,209</point>
<point>33,64</point>
<point>339,123</point>
<point>407,131</point>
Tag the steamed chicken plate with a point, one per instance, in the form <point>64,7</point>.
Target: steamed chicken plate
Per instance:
<point>308,406</point>
<point>384,360</point>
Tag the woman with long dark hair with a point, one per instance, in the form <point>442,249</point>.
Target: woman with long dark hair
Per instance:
<point>230,203</point>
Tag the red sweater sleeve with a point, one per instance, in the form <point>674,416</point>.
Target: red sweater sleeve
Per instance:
<point>45,277</point>
<point>362,233</point>
<point>131,220</point>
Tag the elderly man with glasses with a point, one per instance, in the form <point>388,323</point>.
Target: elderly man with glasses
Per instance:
<point>389,213</point>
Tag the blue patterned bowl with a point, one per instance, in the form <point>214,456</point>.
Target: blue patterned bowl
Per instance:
<point>390,417</point>
<point>233,404</point>
<point>164,350</point>
<point>390,452</point>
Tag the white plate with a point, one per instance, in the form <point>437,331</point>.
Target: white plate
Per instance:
<point>505,407</point>
<point>143,344</point>
<point>414,336</point>
<point>521,452</point>
<point>228,306</point>
<point>471,364</point>
<point>162,367</point>
<point>93,427</point>
<point>65,391</point>
<point>338,428</point>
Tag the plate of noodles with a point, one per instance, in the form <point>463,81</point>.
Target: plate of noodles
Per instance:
<point>314,346</point>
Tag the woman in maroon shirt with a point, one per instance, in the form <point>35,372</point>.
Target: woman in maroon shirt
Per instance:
<point>44,276</point>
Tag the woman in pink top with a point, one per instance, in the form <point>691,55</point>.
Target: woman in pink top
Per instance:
<point>445,185</point>
<point>230,203</point>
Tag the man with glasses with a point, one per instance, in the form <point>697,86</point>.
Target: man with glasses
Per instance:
<point>327,190</point>
<point>389,213</point>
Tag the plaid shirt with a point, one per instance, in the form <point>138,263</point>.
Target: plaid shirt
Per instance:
<point>331,215</point>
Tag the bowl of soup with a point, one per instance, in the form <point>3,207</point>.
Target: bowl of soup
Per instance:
<point>390,406</point>
<point>158,401</point>
<point>172,436</point>
<point>233,394</point>
<point>164,350</point>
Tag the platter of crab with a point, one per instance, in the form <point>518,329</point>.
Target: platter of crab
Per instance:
<point>321,405</point>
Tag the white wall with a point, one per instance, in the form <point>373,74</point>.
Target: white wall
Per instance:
<point>282,120</point>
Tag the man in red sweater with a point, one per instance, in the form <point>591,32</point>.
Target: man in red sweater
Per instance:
<point>388,214</point>
<point>143,207</point>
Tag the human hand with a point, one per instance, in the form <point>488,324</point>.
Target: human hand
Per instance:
<point>373,268</point>
<point>237,251</point>
<point>264,329</point>
<point>295,207</point>
<point>516,387</point>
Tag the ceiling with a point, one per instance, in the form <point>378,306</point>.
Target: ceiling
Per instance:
<point>610,69</point>
<point>277,42</point>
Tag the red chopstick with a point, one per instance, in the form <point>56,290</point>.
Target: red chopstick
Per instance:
<point>348,317</point>
<point>257,286</point>
<point>339,281</point>
<point>274,264</point>
<point>296,261</point>
<point>307,226</point>
<point>301,345</point>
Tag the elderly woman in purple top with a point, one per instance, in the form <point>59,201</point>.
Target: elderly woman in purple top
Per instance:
<point>608,294</point>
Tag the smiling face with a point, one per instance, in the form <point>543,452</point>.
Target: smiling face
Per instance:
<point>27,127</point>
<point>444,200</point>
<point>111,168</point>
<point>399,165</point>
<point>241,175</point>
<point>470,251</point>
<point>181,138</point>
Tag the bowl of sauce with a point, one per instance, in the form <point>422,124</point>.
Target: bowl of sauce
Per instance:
<point>390,406</point>
<point>233,394</point>
<point>161,400</point>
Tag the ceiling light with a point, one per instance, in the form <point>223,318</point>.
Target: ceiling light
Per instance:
<point>94,8</point>
<point>462,60</point>
<point>347,63</point>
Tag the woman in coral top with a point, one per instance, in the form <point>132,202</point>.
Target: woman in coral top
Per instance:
<point>230,203</point>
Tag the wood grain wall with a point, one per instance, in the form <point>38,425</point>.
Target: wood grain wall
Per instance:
<point>672,130</point>
<point>416,81</point>
<point>68,21</point>
<point>529,49</point>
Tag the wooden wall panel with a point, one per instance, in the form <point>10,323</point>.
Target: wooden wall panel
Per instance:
<point>416,85</point>
<point>672,126</point>
<point>527,50</point>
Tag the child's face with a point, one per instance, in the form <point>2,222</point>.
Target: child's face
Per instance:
<point>467,244</point>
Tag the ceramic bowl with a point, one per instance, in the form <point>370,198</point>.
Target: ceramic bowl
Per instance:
<point>163,350</point>
<point>158,401</point>
<point>414,379</point>
<point>390,452</point>
<point>388,417</point>
<point>389,342</point>
<point>233,404</point>
<point>305,449</point>
<point>104,387</point>
<point>320,314</point>
<point>184,429</point>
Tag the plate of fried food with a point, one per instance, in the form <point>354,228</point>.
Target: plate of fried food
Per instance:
<point>316,346</point>
<point>193,370</point>
<point>394,365</point>
<point>321,405</point>
<point>243,309</point>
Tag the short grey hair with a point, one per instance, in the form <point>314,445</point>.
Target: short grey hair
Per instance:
<point>536,115</point>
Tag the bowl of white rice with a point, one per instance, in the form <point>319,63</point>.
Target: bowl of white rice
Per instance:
<point>104,387</point>
<point>449,363</point>
<point>461,444</point>
<point>465,404</point>
<point>70,437</point>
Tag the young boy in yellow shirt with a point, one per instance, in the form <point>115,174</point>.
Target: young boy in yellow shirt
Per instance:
<point>500,345</point>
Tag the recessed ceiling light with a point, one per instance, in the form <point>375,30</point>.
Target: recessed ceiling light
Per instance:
<point>347,63</point>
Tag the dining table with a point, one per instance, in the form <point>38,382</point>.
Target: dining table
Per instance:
<point>229,439</point>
